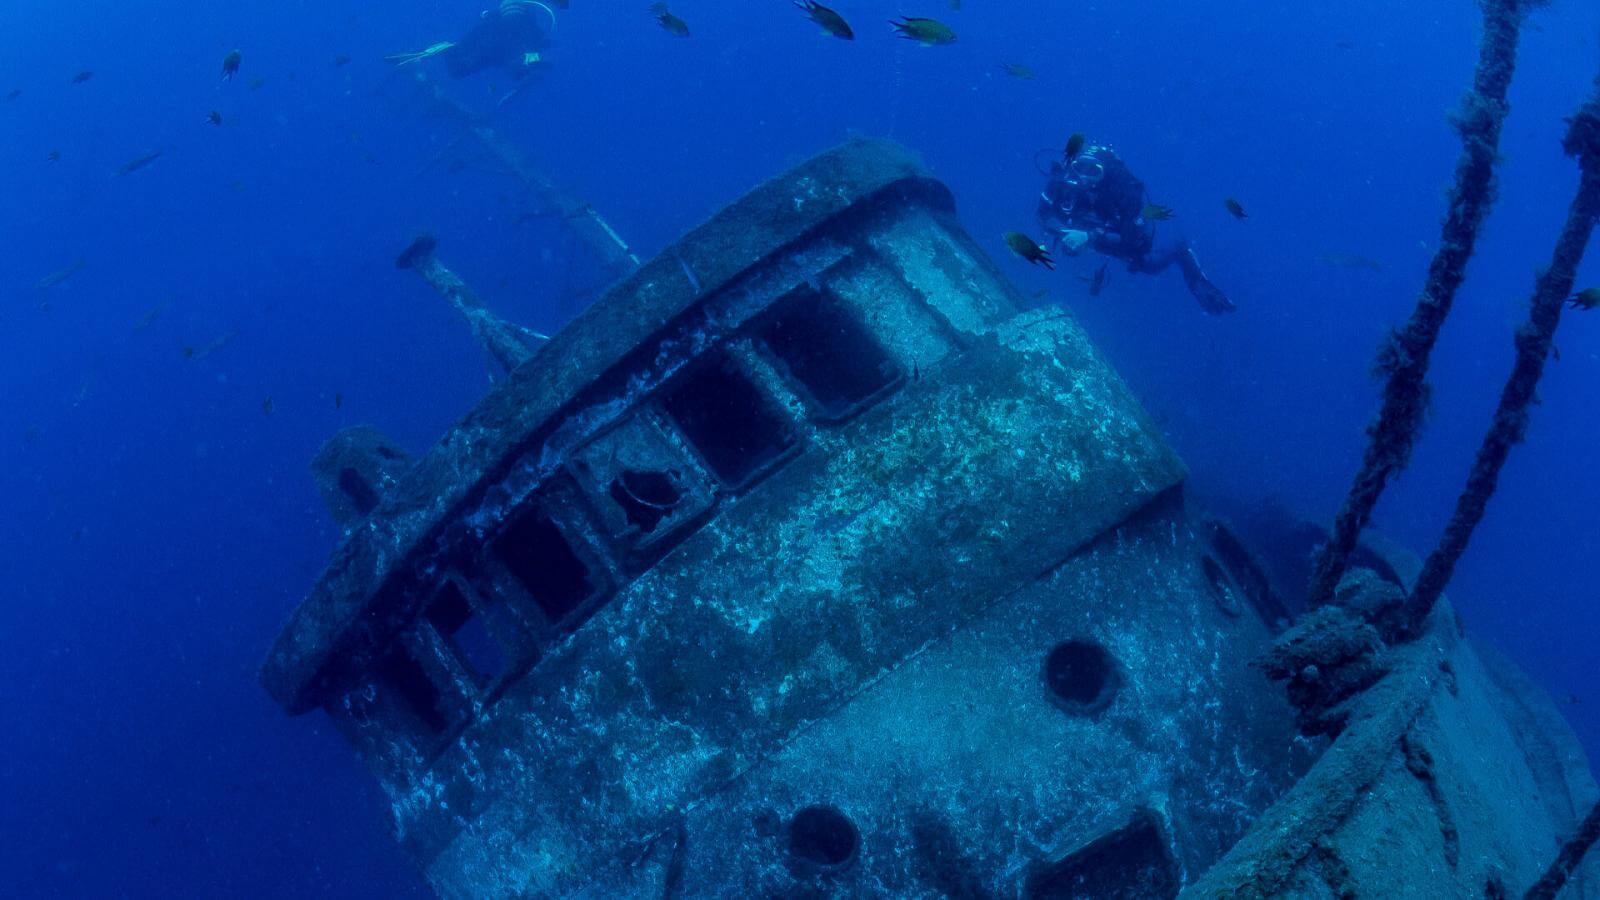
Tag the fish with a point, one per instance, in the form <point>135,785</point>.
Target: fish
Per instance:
<point>1074,147</point>
<point>928,32</point>
<point>1029,249</point>
<point>343,59</point>
<point>1349,261</point>
<point>150,317</point>
<point>192,352</point>
<point>138,162</point>
<point>13,94</point>
<point>1586,299</point>
<point>338,400</point>
<point>1017,70</point>
<point>672,24</point>
<point>224,340</point>
<point>230,65</point>
<point>1097,281</point>
<point>266,407</point>
<point>1235,208</point>
<point>257,82</point>
<point>1155,212</point>
<point>831,22</point>
<point>83,76</point>
<point>214,117</point>
<point>58,276</point>
<point>954,4</point>
<point>53,156</point>
<point>86,385</point>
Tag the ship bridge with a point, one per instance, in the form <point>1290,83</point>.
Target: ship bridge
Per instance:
<point>808,561</point>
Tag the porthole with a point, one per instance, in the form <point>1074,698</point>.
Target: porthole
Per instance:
<point>1081,676</point>
<point>823,838</point>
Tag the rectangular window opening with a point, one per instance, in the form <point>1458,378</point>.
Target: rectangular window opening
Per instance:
<point>542,559</point>
<point>407,680</point>
<point>468,632</point>
<point>728,419</point>
<point>646,497</point>
<point>838,365</point>
<point>1131,863</point>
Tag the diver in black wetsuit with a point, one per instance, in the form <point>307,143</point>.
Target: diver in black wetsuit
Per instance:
<point>1094,200</point>
<point>509,37</point>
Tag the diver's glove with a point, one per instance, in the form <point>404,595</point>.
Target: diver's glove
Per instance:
<point>1073,241</point>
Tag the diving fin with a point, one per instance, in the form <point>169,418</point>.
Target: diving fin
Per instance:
<point>1211,297</point>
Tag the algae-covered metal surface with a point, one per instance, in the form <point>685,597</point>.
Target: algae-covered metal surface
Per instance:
<point>808,562</point>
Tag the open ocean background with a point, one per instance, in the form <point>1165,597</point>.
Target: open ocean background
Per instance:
<point>158,525</point>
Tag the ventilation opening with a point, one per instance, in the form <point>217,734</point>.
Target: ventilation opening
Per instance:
<point>357,491</point>
<point>823,837</point>
<point>538,554</point>
<point>1081,676</point>
<point>646,497</point>
<point>836,362</point>
<point>406,678</point>
<point>1221,588</point>
<point>728,421</point>
<point>455,619</point>
<point>1131,863</point>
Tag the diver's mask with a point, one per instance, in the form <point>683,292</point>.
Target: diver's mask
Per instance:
<point>1086,169</point>
<point>516,7</point>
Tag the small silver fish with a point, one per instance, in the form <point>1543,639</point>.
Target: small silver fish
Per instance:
<point>138,162</point>
<point>58,276</point>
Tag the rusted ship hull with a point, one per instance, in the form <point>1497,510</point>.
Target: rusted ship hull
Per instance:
<point>808,562</point>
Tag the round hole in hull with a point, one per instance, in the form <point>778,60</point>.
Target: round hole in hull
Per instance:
<point>822,837</point>
<point>1081,676</point>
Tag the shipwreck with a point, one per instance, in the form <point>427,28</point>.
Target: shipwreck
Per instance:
<point>809,561</point>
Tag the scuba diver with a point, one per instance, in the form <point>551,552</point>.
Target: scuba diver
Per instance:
<point>1093,200</point>
<point>509,37</point>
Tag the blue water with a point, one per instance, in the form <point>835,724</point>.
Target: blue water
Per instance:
<point>158,524</point>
